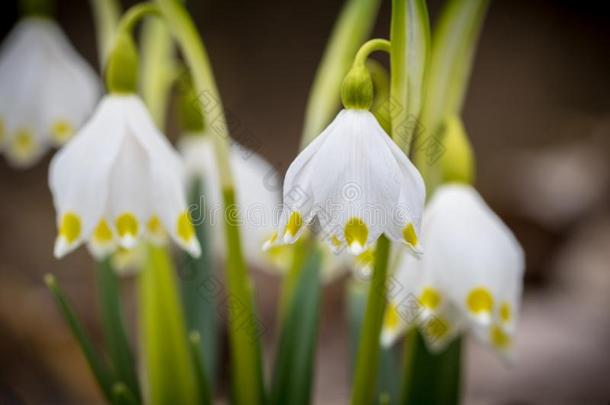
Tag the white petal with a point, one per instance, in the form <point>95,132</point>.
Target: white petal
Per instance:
<point>79,174</point>
<point>474,256</point>
<point>166,171</point>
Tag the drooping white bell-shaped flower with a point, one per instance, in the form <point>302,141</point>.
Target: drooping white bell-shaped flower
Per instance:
<point>256,188</point>
<point>47,90</point>
<point>119,179</point>
<point>470,278</point>
<point>357,183</point>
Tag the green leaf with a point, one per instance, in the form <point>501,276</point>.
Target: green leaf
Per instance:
<point>367,361</point>
<point>294,363</point>
<point>97,366</point>
<point>202,381</point>
<point>167,359</point>
<point>410,38</point>
<point>200,286</point>
<point>115,336</point>
<point>247,376</point>
<point>453,46</point>
<point>431,378</point>
<point>351,29</point>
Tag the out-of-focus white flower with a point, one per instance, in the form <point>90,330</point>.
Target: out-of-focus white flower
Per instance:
<point>47,90</point>
<point>119,179</point>
<point>256,191</point>
<point>357,183</point>
<point>470,278</point>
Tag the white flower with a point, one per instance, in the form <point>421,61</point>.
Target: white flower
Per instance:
<point>117,180</point>
<point>256,189</point>
<point>357,183</point>
<point>47,90</point>
<point>469,279</point>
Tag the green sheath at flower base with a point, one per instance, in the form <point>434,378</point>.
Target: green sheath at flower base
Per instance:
<point>122,68</point>
<point>457,162</point>
<point>357,89</point>
<point>40,8</point>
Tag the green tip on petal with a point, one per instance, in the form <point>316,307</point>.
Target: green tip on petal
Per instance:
<point>357,88</point>
<point>122,68</point>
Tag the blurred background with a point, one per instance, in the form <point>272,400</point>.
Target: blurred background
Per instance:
<point>537,112</point>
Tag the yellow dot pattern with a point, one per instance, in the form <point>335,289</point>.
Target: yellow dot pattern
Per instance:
<point>430,298</point>
<point>61,130</point>
<point>127,225</point>
<point>479,301</point>
<point>184,227</point>
<point>102,234</point>
<point>70,227</point>
<point>356,232</point>
<point>505,312</point>
<point>295,222</point>
<point>408,233</point>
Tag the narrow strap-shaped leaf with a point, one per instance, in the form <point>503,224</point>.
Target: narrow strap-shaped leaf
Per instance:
<point>115,335</point>
<point>453,44</point>
<point>200,287</point>
<point>197,356</point>
<point>167,359</point>
<point>351,29</point>
<point>98,368</point>
<point>410,39</point>
<point>431,378</point>
<point>121,395</point>
<point>388,378</point>
<point>293,372</point>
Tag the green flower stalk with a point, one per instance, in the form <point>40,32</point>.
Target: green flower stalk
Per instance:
<point>245,349</point>
<point>352,28</point>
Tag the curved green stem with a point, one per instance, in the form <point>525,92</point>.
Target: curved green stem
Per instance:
<point>134,15</point>
<point>243,324</point>
<point>369,47</point>
<point>106,18</point>
<point>352,28</point>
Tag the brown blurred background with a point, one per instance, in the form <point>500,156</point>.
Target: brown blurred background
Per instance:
<point>538,113</point>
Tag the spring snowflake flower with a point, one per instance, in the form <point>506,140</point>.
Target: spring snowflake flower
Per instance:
<point>470,278</point>
<point>256,188</point>
<point>48,90</point>
<point>357,183</point>
<point>119,179</point>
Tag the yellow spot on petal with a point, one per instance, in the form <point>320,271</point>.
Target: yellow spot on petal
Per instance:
<point>273,238</point>
<point>23,143</point>
<point>409,234</point>
<point>366,258</point>
<point>498,337</point>
<point>391,319</point>
<point>154,225</point>
<point>505,312</point>
<point>70,227</point>
<point>102,234</point>
<point>295,222</point>
<point>61,130</point>
<point>127,225</point>
<point>184,227</point>
<point>356,232</point>
<point>480,301</point>
<point>430,298</point>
